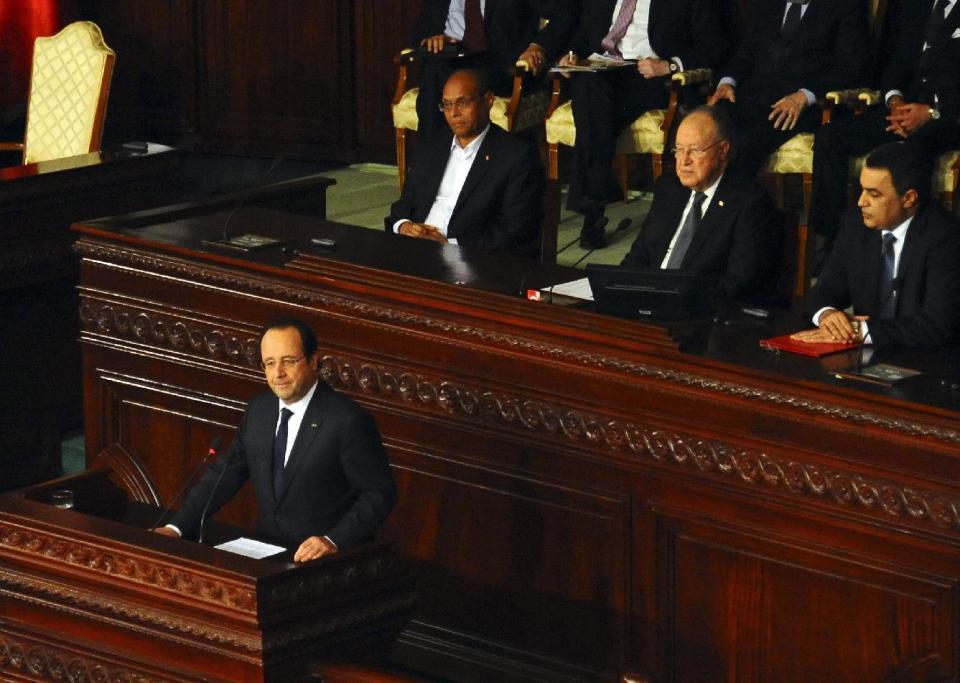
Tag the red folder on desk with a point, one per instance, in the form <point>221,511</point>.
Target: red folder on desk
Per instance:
<point>813,349</point>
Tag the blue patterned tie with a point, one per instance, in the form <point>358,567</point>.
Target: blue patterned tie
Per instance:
<point>888,298</point>
<point>280,451</point>
<point>687,231</point>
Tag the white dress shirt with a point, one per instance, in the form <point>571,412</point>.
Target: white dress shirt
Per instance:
<point>900,232</point>
<point>635,43</point>
<point>710,191</point>
<point>456,22</point>
<point>455,173</point>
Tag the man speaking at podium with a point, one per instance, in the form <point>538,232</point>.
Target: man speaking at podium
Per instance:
<point>315,458</point>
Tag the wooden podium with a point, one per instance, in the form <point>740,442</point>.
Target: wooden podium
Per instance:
<point>88,594</point>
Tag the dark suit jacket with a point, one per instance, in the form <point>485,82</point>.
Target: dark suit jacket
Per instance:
<point>510,25</point>
<point>738,239</point>
<point>928,300</point>
<point>920,74</point>
<point>337,479</point>
<point>500,205</point>
<point>688,29</point>
<point>827,52</point>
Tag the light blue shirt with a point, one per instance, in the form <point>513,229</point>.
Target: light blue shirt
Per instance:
<point>456,21</point>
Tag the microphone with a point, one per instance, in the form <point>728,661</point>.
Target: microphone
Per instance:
<point>601,224</point>
<point>215,446</point>
<point>894,287</point>
<point>246,196</point>
<point>621,226</point>
<point>203,515</point>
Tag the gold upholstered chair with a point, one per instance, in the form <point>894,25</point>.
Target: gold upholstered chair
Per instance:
<point>69,89</point>
<point>525,108</point>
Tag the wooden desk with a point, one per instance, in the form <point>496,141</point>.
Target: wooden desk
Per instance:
<point>90,595</point>
<point>581,497</point>
<point>38,277</point>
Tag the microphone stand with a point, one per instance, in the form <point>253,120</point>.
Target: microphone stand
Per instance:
<point>212,452</point>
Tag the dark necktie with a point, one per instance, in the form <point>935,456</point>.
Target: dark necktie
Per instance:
<point>792,21</point>
<point>474,34</point>
<point>936,19</point>
<point>687,231</point>
<point>280,451</point>
<point>888,298</point>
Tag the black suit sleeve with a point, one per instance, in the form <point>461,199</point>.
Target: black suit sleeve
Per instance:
<point>755,248</point>
<point>639,255</point>
<point>833,284</point>
<point>708,42</point>
<point>368,475</point>
<point>518,218</point>
<point>562,16</point>
<point>432,20</point>
<point>937,319</point>
<point>414,203</point>
<point>235,471</point>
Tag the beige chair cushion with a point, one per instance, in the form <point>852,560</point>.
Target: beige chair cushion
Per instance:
<point>643,136</point>
<point>65,87</point>
<point>793,156</point>
<point>531,112</point>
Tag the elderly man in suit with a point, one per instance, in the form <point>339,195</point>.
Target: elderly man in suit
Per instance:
<point>477,185</point>
<point>664,36</point>
<point>493,35</point>
<point>897,264</point>
<point>705,220</point>
<point>792,53</point>
<point>315,458</point>
<point>921,84</point>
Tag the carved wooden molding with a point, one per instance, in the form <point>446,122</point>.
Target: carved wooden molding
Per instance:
<point>124,567</point>
<point>106,319</point>
<point>87,604</point>
<point>25,658</point>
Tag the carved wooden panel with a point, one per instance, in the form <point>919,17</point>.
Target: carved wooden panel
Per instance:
<point>736,605</point>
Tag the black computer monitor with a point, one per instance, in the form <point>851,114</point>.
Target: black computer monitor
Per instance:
<point>651,294</point>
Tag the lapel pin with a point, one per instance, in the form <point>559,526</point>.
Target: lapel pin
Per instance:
<point>314,425</point>
<point>486,157</point>
<point>720,203</point>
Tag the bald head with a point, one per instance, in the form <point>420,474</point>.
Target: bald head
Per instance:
<point>702,150</point>
<point>466,106</point>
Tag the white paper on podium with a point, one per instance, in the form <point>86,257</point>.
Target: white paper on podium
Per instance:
<point>250,548</point>
<point>578,289</point>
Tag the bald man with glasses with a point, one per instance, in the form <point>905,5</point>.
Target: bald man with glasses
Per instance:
<point>705,220</point>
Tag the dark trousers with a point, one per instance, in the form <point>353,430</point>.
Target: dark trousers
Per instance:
<point>756,138</point>
<point>434,72</point>
<point>853,136</point>
<point>604,104</point>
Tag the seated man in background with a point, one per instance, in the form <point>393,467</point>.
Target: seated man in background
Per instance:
<point>480,187</point>
<point>921,85</point>
<point>897,263</point>
<point>494,34</point>
<point>664,36</point>
<point>314,457</point>
<point>708,221</point>
<point>791,54</point>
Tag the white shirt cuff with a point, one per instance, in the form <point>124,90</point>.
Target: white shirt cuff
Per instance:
<point>811,98</point>
<point>816,316</point>
<point>727,80</point>
<point>171,526</point>
<point>396,226</point>
<point>891,93</point>
<point>678,62</point>
<point>327,539</point>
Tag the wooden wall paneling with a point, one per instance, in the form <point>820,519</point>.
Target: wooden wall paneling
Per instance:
<point>155,93</point>
<point>276,77</point>
<point>382,30</point>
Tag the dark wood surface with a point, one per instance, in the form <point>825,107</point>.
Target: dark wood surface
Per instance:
<point>582,496</point>
<point>93,592</point>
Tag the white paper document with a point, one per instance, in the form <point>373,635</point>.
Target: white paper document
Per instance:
<point>250,548</point>
<point>578,289</point>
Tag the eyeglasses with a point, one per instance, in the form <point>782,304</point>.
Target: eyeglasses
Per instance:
<point>695,152</point>
<point>286,363</point>
<point>458,104</point>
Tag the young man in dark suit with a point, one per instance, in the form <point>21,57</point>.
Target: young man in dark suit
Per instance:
<point>897,263</point>
<point>315,458</point>
<point>494,35</point>
<point>480,187</point>
<point>792,53</point>
<point>708,221</point>
<point>664,36</point>
<point>920,82</point>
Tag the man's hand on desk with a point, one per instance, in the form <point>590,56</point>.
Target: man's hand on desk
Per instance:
<point>835,327</point>
<point>312,548</point>
<point>421,230</point>
<point>166,531</point>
